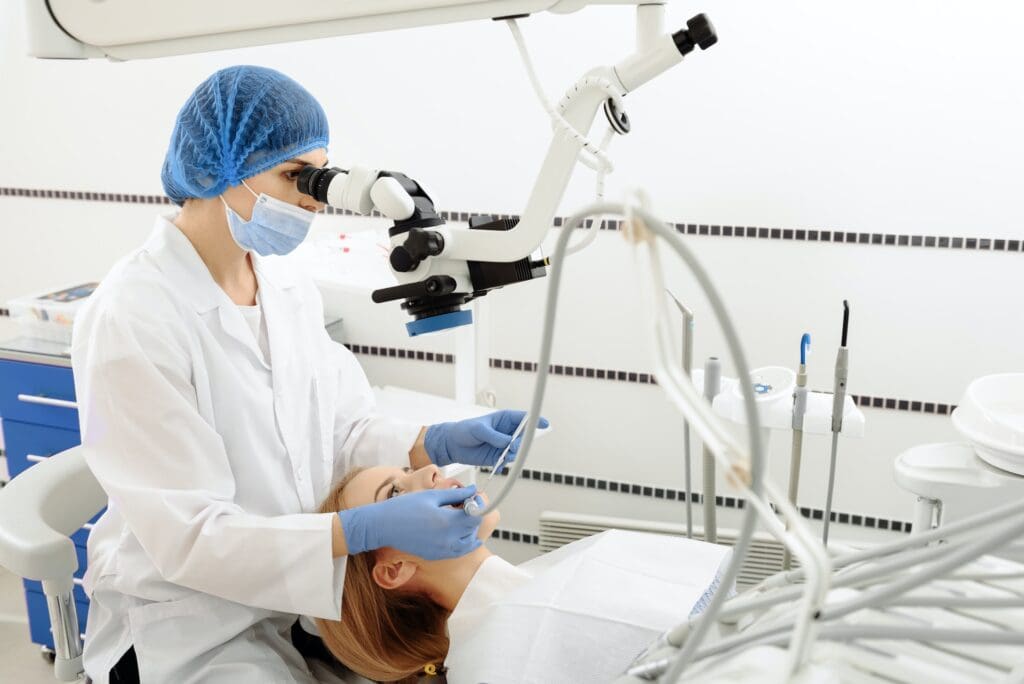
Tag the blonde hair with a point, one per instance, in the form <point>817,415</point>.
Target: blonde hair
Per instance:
<point>383,635</point>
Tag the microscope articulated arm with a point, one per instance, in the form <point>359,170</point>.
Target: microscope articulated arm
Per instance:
<point>580,107</point>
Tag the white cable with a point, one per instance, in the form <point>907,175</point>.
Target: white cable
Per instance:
<point>596,223</point>
<point>557,120</point>
<point>588,238</point>
<point>592,156</point>
<point>605,142</point>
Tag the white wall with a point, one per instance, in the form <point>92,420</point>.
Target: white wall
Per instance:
<point>878,117</point>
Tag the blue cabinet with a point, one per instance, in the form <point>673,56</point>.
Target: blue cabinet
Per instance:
<point>40,419</point>
<point>28,443</point>
<point>38,393</point>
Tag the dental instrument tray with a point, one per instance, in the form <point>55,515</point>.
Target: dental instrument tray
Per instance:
<point>773,388</point>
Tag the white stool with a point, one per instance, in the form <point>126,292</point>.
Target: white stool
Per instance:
<point>39,511</point>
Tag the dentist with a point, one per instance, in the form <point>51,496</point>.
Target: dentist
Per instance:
<point>216,413</point>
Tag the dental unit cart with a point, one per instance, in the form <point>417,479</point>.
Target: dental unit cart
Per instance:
<point>40,418</point>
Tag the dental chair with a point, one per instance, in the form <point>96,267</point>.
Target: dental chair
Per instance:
<point>39,511</point>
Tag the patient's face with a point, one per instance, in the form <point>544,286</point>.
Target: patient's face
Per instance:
<point>383,482</point>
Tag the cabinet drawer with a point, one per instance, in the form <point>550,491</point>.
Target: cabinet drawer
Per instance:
<point>39,618</point>
<point>37,393</point>
<point>26,443</point>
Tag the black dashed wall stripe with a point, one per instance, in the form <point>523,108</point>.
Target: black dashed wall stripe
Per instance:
<point>668,494</point>
<point>84,196</point>
<point>885,403</point>
<point>395,353</point>
<point>514,536</point>
<point>910,405</point>
<point>702,229</point>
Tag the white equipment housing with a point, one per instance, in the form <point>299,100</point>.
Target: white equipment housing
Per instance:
<point>140,29</point>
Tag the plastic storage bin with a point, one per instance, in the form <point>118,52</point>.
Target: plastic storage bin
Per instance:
<point>50,316</point>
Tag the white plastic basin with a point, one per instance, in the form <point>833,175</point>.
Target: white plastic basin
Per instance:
<point>991,417</point>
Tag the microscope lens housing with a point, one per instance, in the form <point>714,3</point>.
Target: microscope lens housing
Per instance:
<point>435,302</point>
<point>314,181</point>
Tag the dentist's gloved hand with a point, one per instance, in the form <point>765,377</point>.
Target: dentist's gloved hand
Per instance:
<point>476,441</point>
<point>421,523</point>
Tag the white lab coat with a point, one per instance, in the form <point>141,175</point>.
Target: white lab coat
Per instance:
<point>214,464</point>
<point>582,613</point>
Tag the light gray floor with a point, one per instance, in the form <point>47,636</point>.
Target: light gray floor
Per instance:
<point>19,658</point>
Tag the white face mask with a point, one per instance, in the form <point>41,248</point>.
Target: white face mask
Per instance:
<point>276,227</point>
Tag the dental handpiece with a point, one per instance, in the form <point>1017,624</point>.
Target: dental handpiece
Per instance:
<point>838,402</point>
<point>796,452</point>
<point>470,506</point>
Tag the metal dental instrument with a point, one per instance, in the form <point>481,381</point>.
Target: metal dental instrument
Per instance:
<point>687,368</point>
<point>712,386</point>
<point>799,409</point>
<point>470,505</point>
<point>838,400</point>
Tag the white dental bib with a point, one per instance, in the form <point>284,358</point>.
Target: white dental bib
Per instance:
<point>581,613</point>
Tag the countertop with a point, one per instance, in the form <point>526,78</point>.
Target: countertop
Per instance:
<point>32,350</point>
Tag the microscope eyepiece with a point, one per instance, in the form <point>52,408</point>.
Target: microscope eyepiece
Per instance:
<point>315,180</point>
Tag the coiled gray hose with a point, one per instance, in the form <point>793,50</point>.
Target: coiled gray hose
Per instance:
<point>746,532</point>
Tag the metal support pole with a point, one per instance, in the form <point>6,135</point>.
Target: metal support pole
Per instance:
<point>712,385</point>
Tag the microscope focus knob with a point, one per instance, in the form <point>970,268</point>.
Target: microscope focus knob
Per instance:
<point>402,261</point>
<point>701,31</point>
<point>419,245</point>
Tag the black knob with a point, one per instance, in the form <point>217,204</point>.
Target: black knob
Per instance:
<point>702,32</point>
<point>424,243</point>
<point>402,261</point>
<point>419,244</point>
<point>698,31</point>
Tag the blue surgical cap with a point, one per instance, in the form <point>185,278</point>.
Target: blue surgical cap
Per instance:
<point>239,122</point>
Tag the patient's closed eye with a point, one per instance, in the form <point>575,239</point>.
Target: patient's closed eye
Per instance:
<point>395,490</point>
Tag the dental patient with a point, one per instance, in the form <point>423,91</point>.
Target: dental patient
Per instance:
<point>581,613</point>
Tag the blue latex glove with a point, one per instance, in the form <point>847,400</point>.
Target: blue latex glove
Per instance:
<point>421,523</point>
<point>476,441</point>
